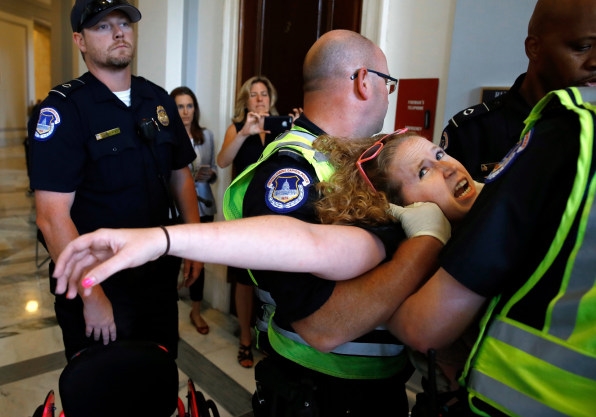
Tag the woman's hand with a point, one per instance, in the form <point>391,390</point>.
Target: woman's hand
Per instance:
<point>254,124</point>
<point>92,258</point>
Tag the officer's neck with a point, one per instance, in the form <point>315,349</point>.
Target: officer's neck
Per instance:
<point>116,79</point>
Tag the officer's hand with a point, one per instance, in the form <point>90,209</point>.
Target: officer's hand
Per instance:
<point>421,219</point>
<point>99,317</point>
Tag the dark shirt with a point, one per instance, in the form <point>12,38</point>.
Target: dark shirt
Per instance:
<point>115,176</point>
<point>251,149</point>
<point>513,222</point>
<point>481,135</point>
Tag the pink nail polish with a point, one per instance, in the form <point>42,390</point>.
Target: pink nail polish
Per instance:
<point>88,282</point>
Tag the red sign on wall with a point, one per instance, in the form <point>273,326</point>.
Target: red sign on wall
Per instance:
<point>417,104</point>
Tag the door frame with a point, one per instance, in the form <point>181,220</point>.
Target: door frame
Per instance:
<point>29,61</point>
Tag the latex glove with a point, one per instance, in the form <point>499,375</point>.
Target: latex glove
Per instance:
<point>420,219</point>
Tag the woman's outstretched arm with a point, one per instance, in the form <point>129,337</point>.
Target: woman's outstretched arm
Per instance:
<point>265,242</point>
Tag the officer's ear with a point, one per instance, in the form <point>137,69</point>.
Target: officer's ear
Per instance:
<point>79,41</point>
<point>532,45</point>
<point>362,83</point>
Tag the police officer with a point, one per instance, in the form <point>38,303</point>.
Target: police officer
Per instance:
<point>481,135</point>
<point>527,244</point>
<point>106,149</point>
<point>318,363</point>
<point>558,47</point>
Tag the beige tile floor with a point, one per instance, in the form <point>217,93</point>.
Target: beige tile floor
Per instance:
<point>31,350</point>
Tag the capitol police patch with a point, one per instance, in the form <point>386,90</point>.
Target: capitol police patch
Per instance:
<point>49,119</point>
<point>510,157</point>
<point>287,190</point>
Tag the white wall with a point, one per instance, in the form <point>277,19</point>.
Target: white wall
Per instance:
<point>159,41</point>
<point>416,37</point>
<point>488,49</point>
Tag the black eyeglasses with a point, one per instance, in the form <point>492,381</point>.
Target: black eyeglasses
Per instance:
<point>390,82</point>
<point>96,7</point>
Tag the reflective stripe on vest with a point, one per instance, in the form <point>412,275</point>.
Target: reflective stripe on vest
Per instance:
<point>349,348</point>
<point>337,365</point>
<point>524,371</point>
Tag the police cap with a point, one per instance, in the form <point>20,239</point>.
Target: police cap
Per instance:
<point>86,13</point>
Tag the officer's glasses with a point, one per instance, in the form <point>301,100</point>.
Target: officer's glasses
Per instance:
<point>390,82</point>
<point>372,152</point>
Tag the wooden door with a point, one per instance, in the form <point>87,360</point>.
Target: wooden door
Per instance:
<point>274,38</point>
<point>276,34</point>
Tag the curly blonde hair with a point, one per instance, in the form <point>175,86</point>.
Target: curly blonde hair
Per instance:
<point>346,198</point>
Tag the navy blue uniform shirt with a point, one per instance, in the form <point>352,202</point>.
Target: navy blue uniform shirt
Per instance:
<point>480,136</point>
<point>86,140</point>
<point>513,222</point>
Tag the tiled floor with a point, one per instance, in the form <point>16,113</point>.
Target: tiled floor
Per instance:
<point>31,350</point>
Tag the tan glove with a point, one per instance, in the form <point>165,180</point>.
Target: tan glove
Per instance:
<point>420,219</point>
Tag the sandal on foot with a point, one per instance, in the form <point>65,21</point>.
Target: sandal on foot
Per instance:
<point>245,358</point>
<point>201,329</point>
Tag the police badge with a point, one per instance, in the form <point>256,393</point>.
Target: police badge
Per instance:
<point>162,116</point>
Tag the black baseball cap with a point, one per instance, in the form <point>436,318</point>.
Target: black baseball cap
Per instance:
<point>86,13</point>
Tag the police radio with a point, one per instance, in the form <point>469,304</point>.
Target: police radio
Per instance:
<point>148,129</point>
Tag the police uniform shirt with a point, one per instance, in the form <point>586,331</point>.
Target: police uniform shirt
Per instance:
<point>297,295</point>
<point>481,135</point>
<point>512,223</point>
<point>85,140</point>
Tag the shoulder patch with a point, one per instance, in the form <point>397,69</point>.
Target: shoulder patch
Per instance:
<point>67,88</point>
<point>509,158</point>
<point>287,190</point>
<point>49,119</point>
<point>475,111</point>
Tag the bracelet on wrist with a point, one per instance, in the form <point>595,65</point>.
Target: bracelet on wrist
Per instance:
<point>167,241</point>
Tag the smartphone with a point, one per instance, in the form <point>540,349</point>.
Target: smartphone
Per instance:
<point>277,124</point>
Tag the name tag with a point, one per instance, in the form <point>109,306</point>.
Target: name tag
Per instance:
<point>107,133</point>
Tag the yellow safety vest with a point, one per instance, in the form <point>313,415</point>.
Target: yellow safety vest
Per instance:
<point>524,371</point>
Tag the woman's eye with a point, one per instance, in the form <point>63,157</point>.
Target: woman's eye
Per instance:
<point>422,172</point>
<point>440,155</point>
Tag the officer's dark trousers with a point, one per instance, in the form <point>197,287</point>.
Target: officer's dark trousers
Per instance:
<point>144,301</point>
<point>285,389</point>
